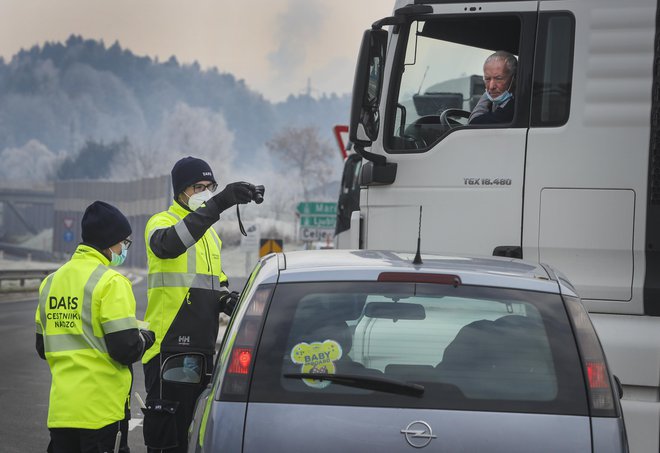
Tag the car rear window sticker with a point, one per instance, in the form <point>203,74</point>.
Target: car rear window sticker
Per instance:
<point>317,358</point>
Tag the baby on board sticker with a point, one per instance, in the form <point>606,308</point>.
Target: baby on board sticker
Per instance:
<point>317,358</point>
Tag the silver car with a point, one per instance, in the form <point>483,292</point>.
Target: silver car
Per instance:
<point>351,351</point>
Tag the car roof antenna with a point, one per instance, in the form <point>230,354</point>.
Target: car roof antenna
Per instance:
<point>418,255</point>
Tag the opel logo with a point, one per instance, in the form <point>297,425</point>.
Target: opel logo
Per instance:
<point>418,434</point>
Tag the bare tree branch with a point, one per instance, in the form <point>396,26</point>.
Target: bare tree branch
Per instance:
<point>303,151</point>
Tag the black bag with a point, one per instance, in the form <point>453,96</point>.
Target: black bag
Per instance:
<point>159,425</point>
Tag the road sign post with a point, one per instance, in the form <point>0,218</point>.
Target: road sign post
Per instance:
<point>315,208</point>
<point>316,234</point>
<point>250,245</point>
<point>317,220</point>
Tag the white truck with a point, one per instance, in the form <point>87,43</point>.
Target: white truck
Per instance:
<point>573,180</point>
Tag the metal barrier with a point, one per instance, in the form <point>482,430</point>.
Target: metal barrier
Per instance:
<point>21,275</point>
<point>24,252</point>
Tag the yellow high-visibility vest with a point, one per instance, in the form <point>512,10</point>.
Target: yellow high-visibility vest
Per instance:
<point>78,304</point>
<point>170,281</point>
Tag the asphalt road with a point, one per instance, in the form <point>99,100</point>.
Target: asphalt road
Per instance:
<point>24,381</point>
<point>25,378</point>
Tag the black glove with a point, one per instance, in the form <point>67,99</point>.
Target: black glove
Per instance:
<point>228,302</point>
<point>148,338</point>
<point>233,194</point>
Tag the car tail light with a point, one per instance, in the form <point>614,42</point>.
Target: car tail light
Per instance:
<point>242,344</point>
<point>599,384</point>
<point>240,361</point>
<point>597,375</point>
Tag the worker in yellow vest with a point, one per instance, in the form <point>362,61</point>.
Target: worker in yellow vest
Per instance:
<point>87,331</point>
<point>187,291</point>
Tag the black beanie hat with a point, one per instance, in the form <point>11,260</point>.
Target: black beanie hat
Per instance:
<point>103,225</point>
<point>189,171</point>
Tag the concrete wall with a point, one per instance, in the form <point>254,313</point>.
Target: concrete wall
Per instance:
<point>25,211</point>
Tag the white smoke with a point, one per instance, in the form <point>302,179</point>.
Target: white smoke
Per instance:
<point>298,28</point>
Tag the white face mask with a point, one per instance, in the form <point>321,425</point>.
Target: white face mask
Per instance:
<point>502,98</point>
<point>118,260</point>
<point>196,200</point>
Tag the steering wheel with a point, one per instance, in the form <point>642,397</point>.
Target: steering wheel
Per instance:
<point>423,131</point>
<point>447,120</point>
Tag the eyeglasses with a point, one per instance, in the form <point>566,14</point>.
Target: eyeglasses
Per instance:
<point>127,243</point>
<point>197,188</point>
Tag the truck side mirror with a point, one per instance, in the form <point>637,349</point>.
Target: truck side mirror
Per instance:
<point>349,193</point>
<point>367,87</point>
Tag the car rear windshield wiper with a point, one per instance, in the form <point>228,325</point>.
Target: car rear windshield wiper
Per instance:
<point>364,382</point>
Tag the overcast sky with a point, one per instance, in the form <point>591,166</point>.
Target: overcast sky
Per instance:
<point>274,45</point>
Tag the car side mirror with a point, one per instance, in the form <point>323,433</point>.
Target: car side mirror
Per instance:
<point>367,87</point>
<point>186,368</point>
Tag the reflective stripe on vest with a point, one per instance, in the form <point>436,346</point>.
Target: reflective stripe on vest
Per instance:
<point>191,253</point>
<point>117,325</point>
<point>182,280</point>
<point>188,279</point>
<point>185,236</point>
<point>71,342</point>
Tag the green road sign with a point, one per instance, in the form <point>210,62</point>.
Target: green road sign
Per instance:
<point>318,221</point>
<point>317,208</point>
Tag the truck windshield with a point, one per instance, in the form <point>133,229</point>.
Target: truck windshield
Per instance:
<point>442,71</point>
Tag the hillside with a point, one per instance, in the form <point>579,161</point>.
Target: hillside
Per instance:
<point>61,98</point>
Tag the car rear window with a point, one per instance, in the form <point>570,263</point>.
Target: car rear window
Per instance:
<point>472,348</point>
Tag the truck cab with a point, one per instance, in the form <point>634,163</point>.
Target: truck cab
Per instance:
<point>572,180</point>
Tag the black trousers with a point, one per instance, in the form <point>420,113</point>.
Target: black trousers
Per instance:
<point>78,440</point>
<point>184,394</point>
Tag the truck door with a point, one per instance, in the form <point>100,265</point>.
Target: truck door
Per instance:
<point>588,145</point>
<point>468,178</point>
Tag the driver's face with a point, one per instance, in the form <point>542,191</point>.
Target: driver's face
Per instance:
<point>496,77</point>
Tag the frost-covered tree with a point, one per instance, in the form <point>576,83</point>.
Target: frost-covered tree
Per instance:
<point>32,162</point>
<point>95,160</point>
<point>188,131</point>
<point>308,156</point>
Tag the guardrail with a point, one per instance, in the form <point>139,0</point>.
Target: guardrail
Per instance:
<point>21,276</point>
<point>35,254</point>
